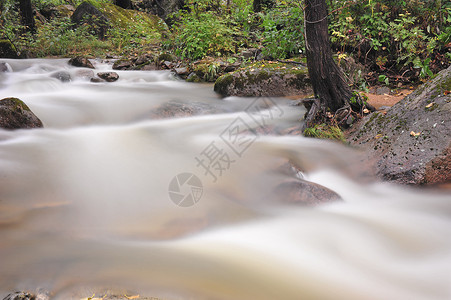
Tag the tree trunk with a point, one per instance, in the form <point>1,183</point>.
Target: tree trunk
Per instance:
<point>326,77</point>
<point>126,4</point>
<point>257,6</point>
<point>27,18</point>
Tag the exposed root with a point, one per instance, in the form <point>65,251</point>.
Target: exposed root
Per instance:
<point>353,110</point>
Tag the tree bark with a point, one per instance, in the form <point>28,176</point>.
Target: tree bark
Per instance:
<point>326,77</point>
<point>126,4</point>
<point>257,6</point>
<point>27,18</point>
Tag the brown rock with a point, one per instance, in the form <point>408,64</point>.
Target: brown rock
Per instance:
<point>14,114</point>
<point>82,62</point>
<point>108,76</point>
<point>410,144</point>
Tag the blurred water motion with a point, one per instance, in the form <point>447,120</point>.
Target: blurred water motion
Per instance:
<point>85,202</point>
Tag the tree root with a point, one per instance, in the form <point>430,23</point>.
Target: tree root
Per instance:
<point>353,110</point>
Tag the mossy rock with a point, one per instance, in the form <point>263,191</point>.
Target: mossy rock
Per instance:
<point>7,50</point>
<point>411,143</point>
<point>102,16</point>
<point>265,78</point>
<point>15,114</point>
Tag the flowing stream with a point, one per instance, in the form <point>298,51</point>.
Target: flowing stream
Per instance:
<point>109,194</point>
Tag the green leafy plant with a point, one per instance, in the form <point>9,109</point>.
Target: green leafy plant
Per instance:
<point>197,36</point>
<point>384,79</point>
<point>283,34</point>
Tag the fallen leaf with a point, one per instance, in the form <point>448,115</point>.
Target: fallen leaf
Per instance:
<point>132,297</point>
<point>378,136</point>
<point>430,104</point>
<point>446,93</point>
<point>366,111</point>
<point>413,133</point>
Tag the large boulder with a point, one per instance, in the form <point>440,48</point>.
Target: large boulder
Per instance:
<point>87,13</point>
<point>14,114</point>
<point>7,50</point>
<point>265,78</point>
<point>411,142</point>
<point>164,9</point>
<point>102,16</point>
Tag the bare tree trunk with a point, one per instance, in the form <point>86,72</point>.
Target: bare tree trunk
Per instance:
<point>127,4</point>
<point>27,18</point>
<point>257,6</point>
<point>326,77</point>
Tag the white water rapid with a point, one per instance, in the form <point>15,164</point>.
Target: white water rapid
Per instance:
<point>92,200</point>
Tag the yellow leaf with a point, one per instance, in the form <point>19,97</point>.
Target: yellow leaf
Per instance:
<point>430,104</point>
<point>132,297</point>
<point>413,133</point>
<point>378,136</point>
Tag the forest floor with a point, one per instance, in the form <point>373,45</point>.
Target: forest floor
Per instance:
<point>386,100</point>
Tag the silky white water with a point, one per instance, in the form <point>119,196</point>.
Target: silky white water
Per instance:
<point>87,203</point>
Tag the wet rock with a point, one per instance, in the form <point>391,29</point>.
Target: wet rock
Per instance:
<point>193,77</point>
<point>143,62</point>
<point>27,296</point>
<point>181,71</point>
<point>108,76</point>
<point>7,50</point>
<point>411,143</point>
<point>62,76</point>
<point>4,67</point>
<point>148,67</point>
<point>265,78</point>
<point>123,64</point>
<point>15,114</point>
<point>97,80</point>
<point>305,193</point>
<point>167,65</point>
<point>81,62</point>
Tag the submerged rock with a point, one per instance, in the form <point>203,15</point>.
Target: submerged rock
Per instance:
<point>304,192</point>
<point>15,114</point>
<point>411,143</point>
<point>265,78</point>
<point>63,76</point>
<point>176,109</point>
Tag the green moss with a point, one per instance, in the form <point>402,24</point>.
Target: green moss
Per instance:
<point>222,83</point>
<point>166,57</point>
<point>325,131</point>
<point>124,18</point>
<point>7,49</point>
<point>15,104</point>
